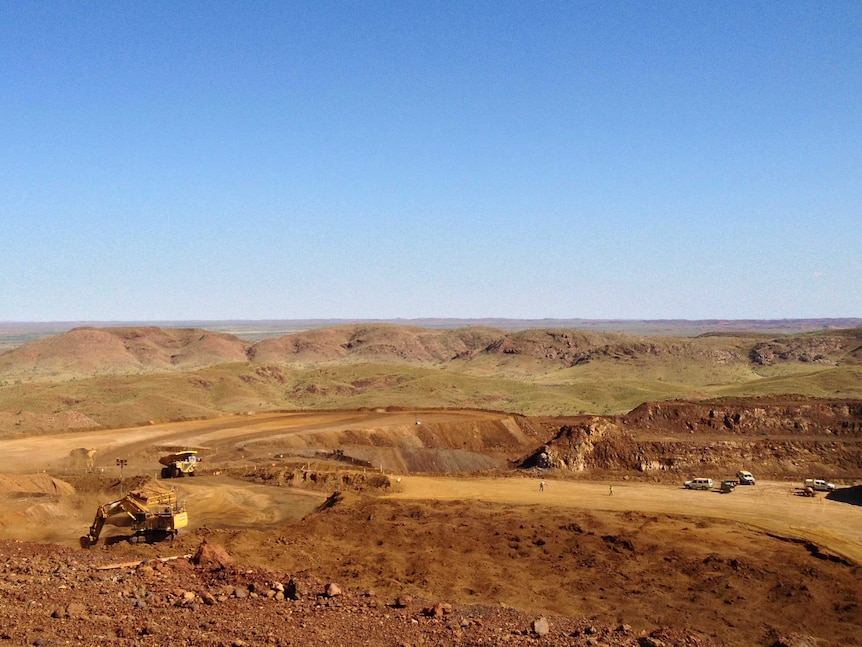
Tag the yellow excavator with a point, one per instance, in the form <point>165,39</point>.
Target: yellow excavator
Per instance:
<point>181,463</point>
<point>154,512</point>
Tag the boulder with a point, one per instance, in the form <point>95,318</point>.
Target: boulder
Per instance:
<point>541,627</point>
<point>295,590</point>
<point>75,610</point>
<point>438,610</point>
<point>214,558</point>
<point>403,600</point>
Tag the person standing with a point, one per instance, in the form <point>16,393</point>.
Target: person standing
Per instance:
<point>611,491</point>
<point>542,486</point>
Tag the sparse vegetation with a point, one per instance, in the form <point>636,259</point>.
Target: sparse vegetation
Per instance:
<point>121,376</point>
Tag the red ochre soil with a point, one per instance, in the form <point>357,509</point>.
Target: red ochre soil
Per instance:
<point>420,561</point>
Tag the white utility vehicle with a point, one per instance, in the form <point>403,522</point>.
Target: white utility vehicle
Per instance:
<point>820,485</point>
<point>745,478</point>
<point>699,484</point>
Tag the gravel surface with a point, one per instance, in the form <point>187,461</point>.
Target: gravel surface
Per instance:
<point>53,595</point>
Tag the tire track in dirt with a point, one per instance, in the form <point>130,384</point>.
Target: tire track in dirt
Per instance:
<point>222,502</point>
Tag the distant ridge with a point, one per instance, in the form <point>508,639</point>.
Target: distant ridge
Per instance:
<point>126,350</point>
<point>116,376</point>
<point>14,334</point>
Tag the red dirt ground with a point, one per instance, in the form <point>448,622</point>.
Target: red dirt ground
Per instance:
<point>651,564</point>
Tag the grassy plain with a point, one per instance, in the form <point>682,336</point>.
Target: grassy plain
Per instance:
<point>600,389</point>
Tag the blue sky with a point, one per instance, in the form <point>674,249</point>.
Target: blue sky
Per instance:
<point>278,160</point>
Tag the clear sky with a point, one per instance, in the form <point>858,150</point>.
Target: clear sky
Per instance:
<point>279,160</point>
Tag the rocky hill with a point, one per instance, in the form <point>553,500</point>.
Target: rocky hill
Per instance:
<point>111,351</point>
<point>374,343</point>
<point>113,377</point>
<point>829,349</point>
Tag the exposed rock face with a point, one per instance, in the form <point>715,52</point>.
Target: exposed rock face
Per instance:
<point>758,417</point>
<point>784,438</point>
<point>826,350</point>
<point>594,443</point>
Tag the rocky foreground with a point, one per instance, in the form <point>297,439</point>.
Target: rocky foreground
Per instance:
<point>53,595</point>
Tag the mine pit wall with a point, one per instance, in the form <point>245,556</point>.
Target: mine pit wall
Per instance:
<point>794,460</point>
<point>319,479</point>
<point>756,418</point>
<point>667,441</point>
<point>406,460</point>
<point>438,447</point>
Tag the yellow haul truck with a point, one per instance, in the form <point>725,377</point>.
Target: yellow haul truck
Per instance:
<point>179,464</point>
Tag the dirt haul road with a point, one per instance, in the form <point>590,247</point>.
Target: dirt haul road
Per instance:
<point>231,438</point>
<point>773,507</point>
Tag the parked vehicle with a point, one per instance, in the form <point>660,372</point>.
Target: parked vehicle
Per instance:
<point>699,484</point>
<point>820,485</point>
<point>745,478</point>
<point>728,485</point>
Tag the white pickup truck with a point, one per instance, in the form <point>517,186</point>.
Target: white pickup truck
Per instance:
<point>820,485</point>
<point>745,478</point>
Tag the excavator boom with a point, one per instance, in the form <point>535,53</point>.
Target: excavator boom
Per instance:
<point>102,514</point>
